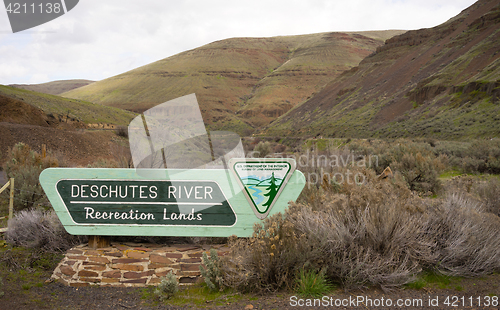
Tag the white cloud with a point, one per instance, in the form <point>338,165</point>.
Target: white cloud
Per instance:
<point>98,39</point>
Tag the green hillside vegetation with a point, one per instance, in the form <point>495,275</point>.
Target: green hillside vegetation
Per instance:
<point>241,83</point>
<point>441,82</point>
<point>54,87</point>
<point>84,111</point>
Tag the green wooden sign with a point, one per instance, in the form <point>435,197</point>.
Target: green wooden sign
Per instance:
<point>99,202</point>
<point>166,202</point>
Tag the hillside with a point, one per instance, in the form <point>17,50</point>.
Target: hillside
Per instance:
<point>35,119</point>
<point>54,87</point>
<point>65,110</point>
<point>240,83</point>
<point>441,82</point>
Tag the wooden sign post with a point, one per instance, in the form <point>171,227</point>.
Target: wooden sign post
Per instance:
<point>169,202</point>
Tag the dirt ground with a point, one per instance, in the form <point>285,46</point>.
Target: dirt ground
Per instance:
<point>72,147</point>
<point>460,293</point>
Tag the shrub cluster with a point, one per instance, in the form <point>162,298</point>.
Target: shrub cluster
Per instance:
<point>25,165</point>
<point>40,229</point>
<point>416,161</point>
<point>379,233</point>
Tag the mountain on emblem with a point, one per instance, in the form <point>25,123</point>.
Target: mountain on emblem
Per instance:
<point>262,181</point>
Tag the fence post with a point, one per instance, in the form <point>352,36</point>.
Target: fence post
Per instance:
<point>11,202</point>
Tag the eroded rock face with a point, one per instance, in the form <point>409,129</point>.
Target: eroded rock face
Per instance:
<point>126,265</point>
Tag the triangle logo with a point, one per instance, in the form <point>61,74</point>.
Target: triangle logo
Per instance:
<point>262,181</point>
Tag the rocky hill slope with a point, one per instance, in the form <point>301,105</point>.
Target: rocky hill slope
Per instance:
<point>240,83</point>
<point>442,82</point>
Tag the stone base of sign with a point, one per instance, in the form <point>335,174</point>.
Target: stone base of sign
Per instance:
<point>132,265</point>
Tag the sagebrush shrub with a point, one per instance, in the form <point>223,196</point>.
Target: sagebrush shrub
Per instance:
<point>417,161</point>
<point>40,229</point>
<point>25,166</point>
<point>377,233</point>
<point>467,237</point>
<point>489,192</point>
<point>211,272</point>
<point>168,286</point>
<point>262,149</point>
<point>369,235</point>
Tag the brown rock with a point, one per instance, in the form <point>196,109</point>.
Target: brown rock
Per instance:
<point>90,280</point>
<point>92,253</point>
<point>95,267</point>
<point>77,257</point>
<point>188,279</point>
<point>112,274</point>
<point>190,267</point>
<point>67,271</point>
<point>103,260</point>
<point>155,258</point>
<point>87,273</point>
<point>136,275</point>
<point>92,264</point>
<point>133,254</point>
<point>141,281</point>
<point>187,248</point>
<point>163,273</point>
<point>109,280</point>
<point>122,247</point>
<point>143,249</point>
<point>173,255</point>
<point>114,254</point>
<point>154,281</point>
<point>191,260</point>
<point>157,265</point>
<point>189,273</point>
<point>128,260</point>
<point>128,267</point>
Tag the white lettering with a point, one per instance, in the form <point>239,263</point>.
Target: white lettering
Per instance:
<point>133,189</point>
<point>83,191</point>
<point>88,212</point>
<point>100,191</point>
<point>153,194</point>
<point>73,188</point>
<point>94,191</point>
<point>208,192</point>
<point>190,191</point>
<point>141,192</point>
<point>111,191</point>
<point>196,192</point>
<point>171,191</point>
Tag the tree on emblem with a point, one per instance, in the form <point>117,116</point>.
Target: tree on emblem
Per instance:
<point>272,191</point>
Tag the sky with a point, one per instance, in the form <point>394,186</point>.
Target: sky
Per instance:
<point>98,39</point>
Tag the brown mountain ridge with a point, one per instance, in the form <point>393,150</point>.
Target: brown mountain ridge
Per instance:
<point>240,83</point>
<point>442,82</point>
